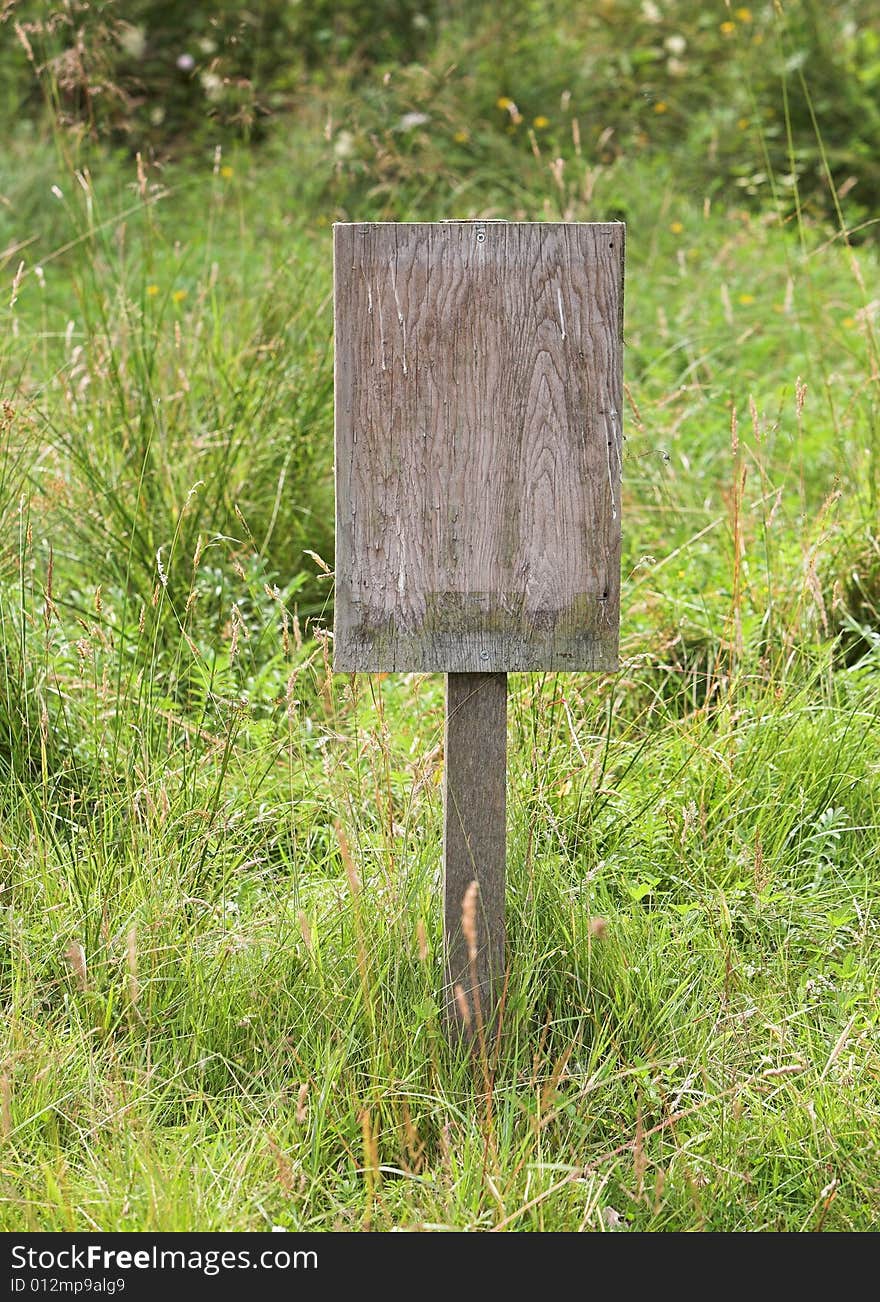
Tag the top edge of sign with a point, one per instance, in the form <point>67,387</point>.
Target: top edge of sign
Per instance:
<point>480,221</point>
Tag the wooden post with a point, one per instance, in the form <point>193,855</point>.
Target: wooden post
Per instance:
<point>474,849</point>
<point>478,399</point>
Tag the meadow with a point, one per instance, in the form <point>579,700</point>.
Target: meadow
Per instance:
<point>219,861</point>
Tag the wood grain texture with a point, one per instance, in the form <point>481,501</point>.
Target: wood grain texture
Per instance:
<point>474,818</point>
<point>478,382</point>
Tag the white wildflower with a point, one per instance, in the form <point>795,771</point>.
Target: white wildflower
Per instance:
<point>212,85</point>
<point>412,120</point>
<point>343,145</point>
<point>133,40</point>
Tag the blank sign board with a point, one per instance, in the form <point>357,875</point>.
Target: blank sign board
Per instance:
<point>478,445</point>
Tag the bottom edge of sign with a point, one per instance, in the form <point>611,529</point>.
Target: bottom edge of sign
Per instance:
<point>604,660</point>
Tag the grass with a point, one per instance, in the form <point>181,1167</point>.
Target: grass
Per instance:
<point>208,1022</point>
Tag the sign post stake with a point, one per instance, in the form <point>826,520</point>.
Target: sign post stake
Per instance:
<point>474,848</point>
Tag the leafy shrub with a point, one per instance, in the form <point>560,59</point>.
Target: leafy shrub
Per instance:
<point>152,70</point>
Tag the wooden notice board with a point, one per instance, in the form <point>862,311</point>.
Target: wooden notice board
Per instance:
<point>478,445</point>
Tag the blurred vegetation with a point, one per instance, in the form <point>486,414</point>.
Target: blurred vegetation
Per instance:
<point>221,953</point>
<point>693,80</point>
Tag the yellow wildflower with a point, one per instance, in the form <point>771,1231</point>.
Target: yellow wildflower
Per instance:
<point>540,122</point>
<point>508,106</point>
<point>676,228</point>
<point>152,291</point>
<point>461,137</point>
<point>227,172</point>
<point>744,15</point>
<point>178,296</point>
<point>661,106</point>
<point>728,28</point>
<point>743,124</point>
<point>746,299</point>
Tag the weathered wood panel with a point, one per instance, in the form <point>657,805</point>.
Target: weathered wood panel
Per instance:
<point>474,812</point>
<point>478,445</point>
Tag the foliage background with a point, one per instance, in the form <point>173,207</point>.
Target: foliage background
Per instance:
<point>220,961</point>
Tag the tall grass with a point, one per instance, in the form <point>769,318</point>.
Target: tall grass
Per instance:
<point>219,862</point>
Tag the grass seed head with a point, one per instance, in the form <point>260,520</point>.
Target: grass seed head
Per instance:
<point>469,919</point>
<point>463,1005</point>
<point>306,931</point>
<point>302,1104</point>
<point>75,957</point>
<point>131,958</point>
